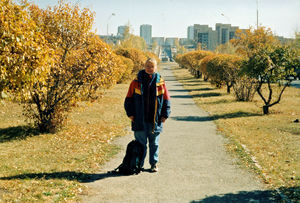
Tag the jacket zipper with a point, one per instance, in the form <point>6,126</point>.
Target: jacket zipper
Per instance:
<point>154,115</point>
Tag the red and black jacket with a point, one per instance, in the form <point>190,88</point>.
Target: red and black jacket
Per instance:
<point>159,103</point>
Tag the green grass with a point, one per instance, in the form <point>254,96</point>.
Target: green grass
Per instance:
<point>51,167</point>
<point>272,139</point>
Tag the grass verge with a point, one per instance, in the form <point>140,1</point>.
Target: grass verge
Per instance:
<point>50,167</point>
<point>269,144</point>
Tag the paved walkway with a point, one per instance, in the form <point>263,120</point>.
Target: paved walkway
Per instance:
<point>194,166</point>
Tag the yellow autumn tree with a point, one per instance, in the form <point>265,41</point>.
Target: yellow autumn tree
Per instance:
<point>24,54</point>
<point>125,65</point>
<point>249,41</point>
<point>227,48</point>
<point>203,65</point>
<point>192,61</point>
<point>224,69</point>
<point>180,48</point>
<point>82,64</point>
<point>268,62</point>
<point>137,56</point>
<point>152,55</point>
<point>132,41</point>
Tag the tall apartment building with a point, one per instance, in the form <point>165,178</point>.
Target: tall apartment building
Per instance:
<point>121,30</point>
<point>232,31</point>
<point>225,32</point>
<point>190,32</point>
<point>146,33</point>
<point>210,38</point>
<point>206,36</point>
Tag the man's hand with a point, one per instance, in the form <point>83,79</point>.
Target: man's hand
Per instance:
<point>131,118</point>
<point>163,119</point>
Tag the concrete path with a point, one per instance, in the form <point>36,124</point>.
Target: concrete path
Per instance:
<point>193,167</point>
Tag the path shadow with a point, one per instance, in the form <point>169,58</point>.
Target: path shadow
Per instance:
<point>216,117</point>
<point>181,96</point>
<point>188,90</point>
<point>67,175</point>
<point>193,84</point>
<point>18,132</point>
<point>170,79</point>
<point>210,94</point>
<point>188,104</point>
<point>205,89</point>
<point>192,118</point>
<point>179,90</point>
<point>221,101</point>
<point>264,196</point>
<point>191,79</point>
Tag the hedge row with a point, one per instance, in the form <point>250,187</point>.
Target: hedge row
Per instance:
<point>220,69</point>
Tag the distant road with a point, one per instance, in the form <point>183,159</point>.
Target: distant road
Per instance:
<point>296,83</point>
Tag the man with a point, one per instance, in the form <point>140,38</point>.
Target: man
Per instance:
<point>147,104</point>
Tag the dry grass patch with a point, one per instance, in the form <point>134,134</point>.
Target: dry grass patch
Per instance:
<point>50,167</point>
<point>273,139</point>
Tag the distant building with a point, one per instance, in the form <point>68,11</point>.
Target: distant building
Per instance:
<point>160,41</point>
<point>205,36</point>
<point>225,32</point>
<point>121,30</point>
<point>190,32</point>
<point>146,33</point>
<point>183,41</point>
<point>210,39</point>
<point>232,31</point>
<point>170,41</point>
<point>188,44</point>
<point>110,39</point>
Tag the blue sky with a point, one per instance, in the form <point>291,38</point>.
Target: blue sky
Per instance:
<point>170,18</point>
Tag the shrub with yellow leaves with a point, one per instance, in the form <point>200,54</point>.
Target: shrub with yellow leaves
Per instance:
<point>137,56</point>
<point>126,65</point>
<point>24,54</point>
<point>203,65</point>
<point>82,64</point>
<point>192,61</point>
<point>152,55</point>
<point>224,69</point>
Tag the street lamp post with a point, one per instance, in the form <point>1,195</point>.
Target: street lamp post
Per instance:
<point>256,14</point>
<point>113,14</point>
<point>228,19</point>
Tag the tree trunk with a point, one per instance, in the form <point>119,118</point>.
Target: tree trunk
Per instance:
<point>199,74</point>
<point>228,89</point>
<point>266,109</point>
<point>229,85</point>
<point>1,90</point>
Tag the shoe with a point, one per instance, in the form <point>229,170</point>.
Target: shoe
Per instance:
<point>154,168</point>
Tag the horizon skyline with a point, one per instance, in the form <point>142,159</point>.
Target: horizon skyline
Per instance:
<point>187,29</point>
<point>171,18</point>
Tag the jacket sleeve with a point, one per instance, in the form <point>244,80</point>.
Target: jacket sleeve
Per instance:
<point>128,103</point>
<point>166,108</point>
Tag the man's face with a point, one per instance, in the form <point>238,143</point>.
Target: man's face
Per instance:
<point>150,67</point>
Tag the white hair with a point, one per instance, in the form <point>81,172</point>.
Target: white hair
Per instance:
<point>152,60</point>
